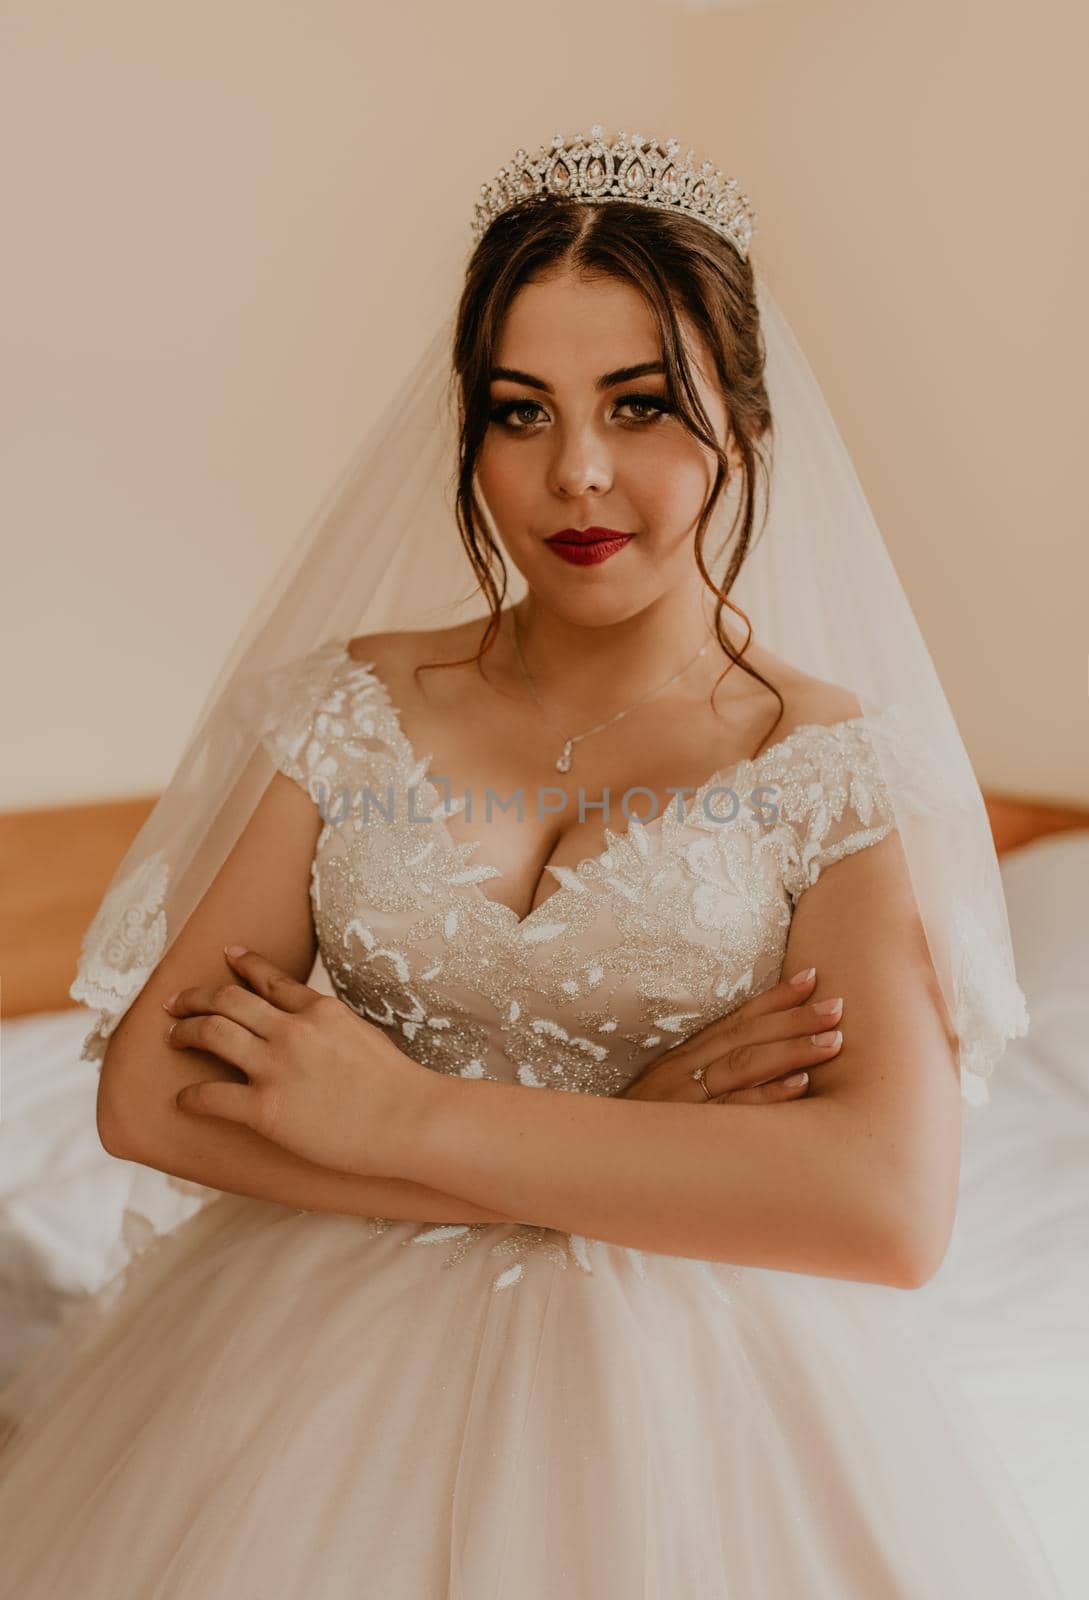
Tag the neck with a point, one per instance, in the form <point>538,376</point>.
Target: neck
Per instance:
<point>620,660</point>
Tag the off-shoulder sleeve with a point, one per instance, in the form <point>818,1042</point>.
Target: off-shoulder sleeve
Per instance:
<point>832,798</point>
<point>296,715</point>
<point>325,719</point>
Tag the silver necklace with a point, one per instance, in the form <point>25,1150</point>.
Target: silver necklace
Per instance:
<point>563,763</point>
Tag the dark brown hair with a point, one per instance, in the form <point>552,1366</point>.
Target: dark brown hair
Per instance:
<point>676,263</point>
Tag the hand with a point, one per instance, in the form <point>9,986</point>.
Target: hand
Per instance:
<point>748,1054</point>
<point>323,1083</point>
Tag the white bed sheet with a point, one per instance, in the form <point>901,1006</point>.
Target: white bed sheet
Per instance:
<point>1008,1312</point>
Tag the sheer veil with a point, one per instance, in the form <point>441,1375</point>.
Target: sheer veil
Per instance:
<point>818,585</point>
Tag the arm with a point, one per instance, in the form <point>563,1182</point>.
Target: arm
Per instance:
<point>858,1180</point>
<point>227,1156</point>
<point>260,896</point>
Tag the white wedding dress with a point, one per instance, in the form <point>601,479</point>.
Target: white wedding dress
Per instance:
<point>275,1404</point>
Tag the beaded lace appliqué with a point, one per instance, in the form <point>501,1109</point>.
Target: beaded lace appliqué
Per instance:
<point>123,945</point>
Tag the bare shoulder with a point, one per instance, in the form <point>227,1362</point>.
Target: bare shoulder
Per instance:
<point>807,699</point>
<point>381,648</point>
<point>391,654</point>
<point>397,655</point>
<point>817,700</point>
<point>407,646</point>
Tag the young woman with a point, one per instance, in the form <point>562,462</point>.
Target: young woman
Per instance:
<point>640,1331</point>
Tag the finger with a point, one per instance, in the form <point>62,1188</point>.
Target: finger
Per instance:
<point>781,996</point>
<point>229,1000</point>
<point>221,1037</point>
<point>810,1016</point>
<point>269,980</point>
<point>799,1022</point>
<point>753,1066</point>
<point>791,1088</point>
<point>233,1102</point>
<point>780,999</point>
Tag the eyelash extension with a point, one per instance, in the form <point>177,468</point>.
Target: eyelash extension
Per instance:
<point>502,412</point>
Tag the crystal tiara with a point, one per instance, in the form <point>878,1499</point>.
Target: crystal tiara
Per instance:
<point>643,170</point>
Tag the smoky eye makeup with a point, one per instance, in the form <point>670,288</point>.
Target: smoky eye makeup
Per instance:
<point>647,409</point>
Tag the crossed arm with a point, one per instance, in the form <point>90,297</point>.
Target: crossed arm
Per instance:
<point>857,1180</point>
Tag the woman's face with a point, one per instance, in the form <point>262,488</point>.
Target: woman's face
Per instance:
<point>571,444</point>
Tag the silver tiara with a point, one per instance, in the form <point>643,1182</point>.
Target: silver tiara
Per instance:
<point>643,170</point>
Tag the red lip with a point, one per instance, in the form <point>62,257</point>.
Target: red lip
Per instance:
<point>586,535</point>
<point>588,551</point>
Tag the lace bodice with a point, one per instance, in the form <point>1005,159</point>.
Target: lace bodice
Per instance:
<point>673,924</point>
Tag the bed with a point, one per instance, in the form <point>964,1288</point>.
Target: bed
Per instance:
<point>1008,1313</point>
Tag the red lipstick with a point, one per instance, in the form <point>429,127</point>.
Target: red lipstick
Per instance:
<point>587,547</point>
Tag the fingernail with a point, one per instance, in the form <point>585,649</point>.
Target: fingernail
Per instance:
<point>833,1036</point>
<point>234,950</point>
<point>802,977</point>
<point>828,1008</point>
<point>796,1080</point>
<point>168,1005</point>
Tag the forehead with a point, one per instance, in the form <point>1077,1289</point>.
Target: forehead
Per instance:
<point>569,328</point>
<point>565,319</point>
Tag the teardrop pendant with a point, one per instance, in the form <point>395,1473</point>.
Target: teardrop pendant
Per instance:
<point>564,762</point>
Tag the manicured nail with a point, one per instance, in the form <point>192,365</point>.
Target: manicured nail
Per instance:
<point>168,1005</point>
<point>833,1036</point>
<point>829,1008</point>
<point>234,950</point>
<point>802,977</point>
<point>796,1080</point>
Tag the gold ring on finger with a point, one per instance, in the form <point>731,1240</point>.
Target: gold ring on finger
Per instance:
<point>697,1073</point>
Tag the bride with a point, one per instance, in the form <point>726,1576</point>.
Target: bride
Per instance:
<point>641,1332</point>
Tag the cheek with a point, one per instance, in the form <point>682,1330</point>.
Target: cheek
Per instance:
<point>505,474</point>
<point>668,478</point>
<point>512,480</point>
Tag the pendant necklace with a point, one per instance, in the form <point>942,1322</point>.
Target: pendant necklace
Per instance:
<point>563,763</point>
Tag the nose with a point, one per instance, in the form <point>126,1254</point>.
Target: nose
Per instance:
<point>580,465</point>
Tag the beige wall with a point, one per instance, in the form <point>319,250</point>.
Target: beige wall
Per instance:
<point>209,288</point>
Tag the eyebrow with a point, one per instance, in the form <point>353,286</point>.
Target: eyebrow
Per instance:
<point>608,380</point>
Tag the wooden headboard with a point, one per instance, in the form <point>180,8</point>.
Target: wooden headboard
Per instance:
<point>55,864</point>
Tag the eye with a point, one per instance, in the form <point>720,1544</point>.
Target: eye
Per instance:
<point>659,407</point>
<point>508,409</point>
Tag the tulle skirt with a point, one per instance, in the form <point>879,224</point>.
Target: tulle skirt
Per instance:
<point>283,1405</point>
